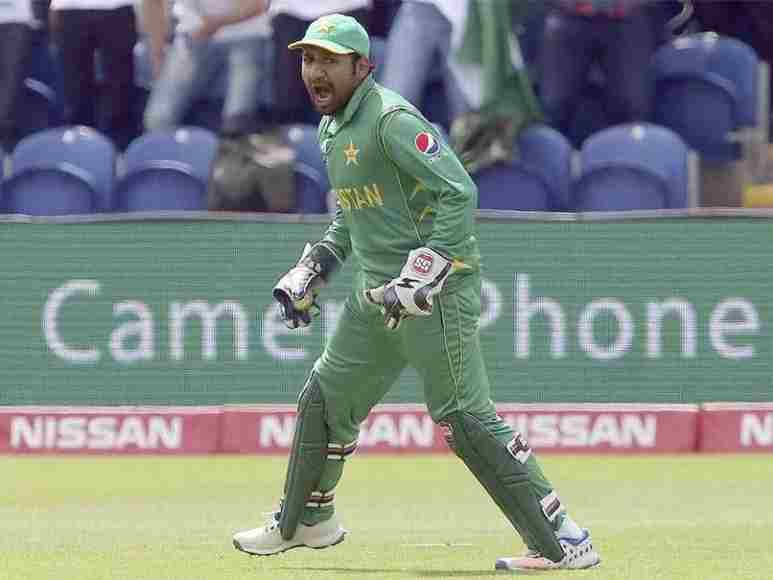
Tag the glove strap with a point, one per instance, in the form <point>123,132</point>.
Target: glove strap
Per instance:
<point>321,259</point>
<point>428,266</point>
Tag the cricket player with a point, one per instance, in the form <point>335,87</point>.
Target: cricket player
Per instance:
<point>405,216</point>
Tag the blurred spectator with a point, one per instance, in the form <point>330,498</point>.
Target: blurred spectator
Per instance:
<point>40,10</point>
<point>423,36</point>
<point>289,20</point>
<point>382,17</point>
<point>16,19</point>
<point>671,18</point>
<point>528,23</point>
<point>618,35</point>
<point>488,63</point>
<point>209,33</point>
<point>81,29</point>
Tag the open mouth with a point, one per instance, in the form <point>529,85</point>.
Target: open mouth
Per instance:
<point>322,95</point>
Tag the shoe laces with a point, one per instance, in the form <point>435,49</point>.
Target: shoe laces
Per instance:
<point>573,551</point>
<point>272,520</point>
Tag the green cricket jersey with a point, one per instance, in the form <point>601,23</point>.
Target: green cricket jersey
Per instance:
<point>398,184</point>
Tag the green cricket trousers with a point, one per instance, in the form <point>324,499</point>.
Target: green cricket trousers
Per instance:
<point>363,359</point>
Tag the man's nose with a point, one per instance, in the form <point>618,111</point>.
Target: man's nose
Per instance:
<point>316,72</point>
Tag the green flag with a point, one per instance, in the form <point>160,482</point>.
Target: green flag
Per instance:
<point>491,72</point>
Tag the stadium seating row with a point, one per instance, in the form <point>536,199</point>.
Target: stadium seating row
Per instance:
<point>710,100</point>
<point>626,167</point>
<point>76,170</point>
<point>72,170</point>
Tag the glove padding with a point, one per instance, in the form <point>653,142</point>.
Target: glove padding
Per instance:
<point>410,294</point>
<point>296,291</point>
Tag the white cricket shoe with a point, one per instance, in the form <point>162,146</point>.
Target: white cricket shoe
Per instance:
<point>267,540</point>
<point>579,554</point>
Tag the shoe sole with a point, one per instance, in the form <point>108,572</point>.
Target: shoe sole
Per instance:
<point>335,543</point>
<point>499,565</point>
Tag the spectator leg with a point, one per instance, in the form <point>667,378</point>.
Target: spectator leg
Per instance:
<point>418,34</point>
<point>566,53</point>
<point>184,74</point>
<point>291,102</point>
<point>77,47</point>
<point>116,36</point>
<point>14,52</point>
<point>629,45</point>
<point>244,57</point>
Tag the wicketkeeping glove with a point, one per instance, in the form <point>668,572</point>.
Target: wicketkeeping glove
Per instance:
<point>296,291</point>
<point>410,294</point>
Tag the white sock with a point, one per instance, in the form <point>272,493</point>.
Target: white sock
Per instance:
<point>569,529</point>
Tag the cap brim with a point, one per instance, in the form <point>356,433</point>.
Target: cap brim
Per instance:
<point>324,44</point>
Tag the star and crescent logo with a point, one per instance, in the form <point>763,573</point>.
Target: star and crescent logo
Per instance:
<point>326,27</point>
<point>351,153</point>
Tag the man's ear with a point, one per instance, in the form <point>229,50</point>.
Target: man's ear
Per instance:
<point>363,67</point>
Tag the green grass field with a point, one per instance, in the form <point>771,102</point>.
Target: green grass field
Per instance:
<point>147,518</point>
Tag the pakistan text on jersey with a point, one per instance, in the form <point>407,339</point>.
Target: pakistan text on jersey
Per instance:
<point>360,197</point>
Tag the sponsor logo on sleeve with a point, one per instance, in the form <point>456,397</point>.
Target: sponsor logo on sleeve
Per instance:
<point>427,144</point>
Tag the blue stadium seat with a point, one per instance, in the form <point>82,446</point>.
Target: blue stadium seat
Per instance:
<point>75,154</point>
<point>632,167</point>
<point>62,190</point>
<point>311,181</point>
<point>706,89</point>
<point>167,170</point>
<point>310,190</point>
<point>544,150</point>
<point>538,180</point>
<point>510,186</point>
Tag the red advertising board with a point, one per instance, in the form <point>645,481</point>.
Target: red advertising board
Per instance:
<point>388,429</point>
<point>736,427</point>
<point>268,429</point>
<point>576,428</point>
<point>114,430</point>
<point>605,427</point>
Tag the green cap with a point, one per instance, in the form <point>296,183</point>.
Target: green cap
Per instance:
<point>337,33</point>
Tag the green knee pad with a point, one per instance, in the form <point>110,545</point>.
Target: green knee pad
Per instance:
<point>504,477</point>
<point>307,458</point>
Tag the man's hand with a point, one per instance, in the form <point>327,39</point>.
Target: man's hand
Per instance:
<point>296,291</point>
<point>410,294</point>
<point>243,10</point>
<point>208,29</point>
